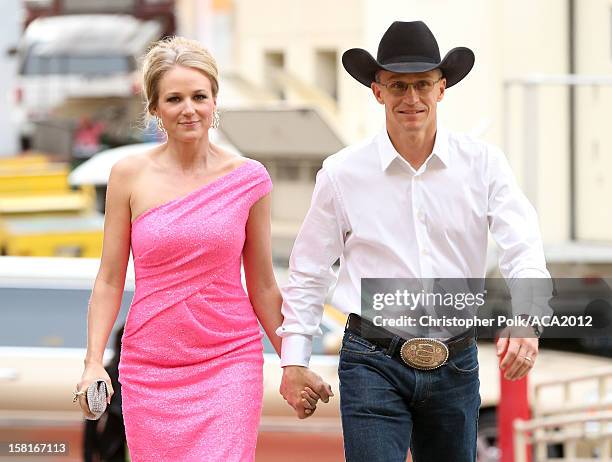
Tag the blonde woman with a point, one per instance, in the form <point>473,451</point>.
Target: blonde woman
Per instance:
<point>191,363</point>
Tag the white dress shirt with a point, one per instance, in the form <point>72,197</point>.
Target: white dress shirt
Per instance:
<point>384,219</point>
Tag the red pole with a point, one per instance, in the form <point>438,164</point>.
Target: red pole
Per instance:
<point>513,404</point>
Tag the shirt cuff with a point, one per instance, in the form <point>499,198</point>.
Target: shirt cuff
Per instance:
<point>531,296</point>
<point>534,273</point>
<point>296,350</point>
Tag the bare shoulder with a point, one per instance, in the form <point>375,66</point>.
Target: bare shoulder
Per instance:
<point>256,167</point>
<point>232,160</point>
<point>127,170</point>
<point>131,165</point>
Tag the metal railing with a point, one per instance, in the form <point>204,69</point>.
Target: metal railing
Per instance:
<point>581,424</point>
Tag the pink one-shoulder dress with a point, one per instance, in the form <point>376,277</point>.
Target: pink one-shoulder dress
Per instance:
<point>191,360</point>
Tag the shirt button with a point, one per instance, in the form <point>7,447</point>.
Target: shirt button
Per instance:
<point>425,251</point>
<point>421,216</point>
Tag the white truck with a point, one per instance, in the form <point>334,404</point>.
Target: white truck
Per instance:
<point>79,56</point>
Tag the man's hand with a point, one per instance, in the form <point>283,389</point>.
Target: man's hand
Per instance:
<point>519,353</point>
<point>302,388</point>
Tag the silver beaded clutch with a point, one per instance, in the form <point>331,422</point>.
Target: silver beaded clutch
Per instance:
<point>96,396</point>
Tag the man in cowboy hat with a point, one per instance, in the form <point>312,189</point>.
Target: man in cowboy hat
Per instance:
<point>414,201</point>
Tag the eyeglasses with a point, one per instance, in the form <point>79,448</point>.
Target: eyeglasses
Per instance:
<point>399,87</point>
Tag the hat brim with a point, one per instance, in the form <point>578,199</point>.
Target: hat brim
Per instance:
<point>362,66</point>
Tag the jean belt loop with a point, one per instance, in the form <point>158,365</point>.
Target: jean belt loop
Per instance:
<point>394,343</point>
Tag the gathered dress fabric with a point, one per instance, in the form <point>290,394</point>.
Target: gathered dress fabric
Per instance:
<point>191,360</point>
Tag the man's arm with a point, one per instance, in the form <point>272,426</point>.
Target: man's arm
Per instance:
<point>318,245</point>
<point>513,222</point>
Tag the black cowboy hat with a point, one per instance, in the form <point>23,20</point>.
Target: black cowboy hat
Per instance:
<point>408,47</point>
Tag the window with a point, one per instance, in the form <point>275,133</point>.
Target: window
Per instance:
<point>327,72</point>
<point>288,171</point>
<point>76,65</point>
<point>98,6</point>
<point>274,61</point>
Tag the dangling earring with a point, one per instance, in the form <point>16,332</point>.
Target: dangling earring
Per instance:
<point>160,125</point>
<point>215,119</point>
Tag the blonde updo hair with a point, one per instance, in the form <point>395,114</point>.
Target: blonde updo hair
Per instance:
<point>167,53</point>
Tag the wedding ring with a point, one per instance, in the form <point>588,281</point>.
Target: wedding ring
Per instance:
<point>527,358</point>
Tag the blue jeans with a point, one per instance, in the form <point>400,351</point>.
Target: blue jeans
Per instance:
<point>388,407</point>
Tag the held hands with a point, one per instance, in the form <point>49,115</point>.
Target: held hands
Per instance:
<point>93,371</point>
<point>519,350</point>
<point>302,388</point>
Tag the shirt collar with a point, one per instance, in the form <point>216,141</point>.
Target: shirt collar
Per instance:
<point>440,149</point>
<point>388,154</point>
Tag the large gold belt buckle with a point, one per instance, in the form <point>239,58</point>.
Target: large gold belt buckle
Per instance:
<point>424,353</point>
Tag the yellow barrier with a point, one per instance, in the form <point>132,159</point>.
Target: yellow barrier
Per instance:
<point>74,201</point>
<point>40,215</point>
<point>40,236</point>
<point>25,163</point>
<point>24,160</point>
<point>40,181</point>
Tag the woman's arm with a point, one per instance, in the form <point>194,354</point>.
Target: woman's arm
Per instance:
<point>263,291</point>
<point>106,296</point>
<point>261,283</point>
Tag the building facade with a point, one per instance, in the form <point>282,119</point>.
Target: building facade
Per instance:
<point>555,137</point>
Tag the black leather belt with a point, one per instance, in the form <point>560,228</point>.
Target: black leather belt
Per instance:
<point>419,353</point>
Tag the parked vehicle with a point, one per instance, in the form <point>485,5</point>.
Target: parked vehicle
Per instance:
<point>78,56</point>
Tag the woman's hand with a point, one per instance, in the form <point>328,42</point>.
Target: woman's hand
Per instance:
<point>309,400</point>
<point>92,372</point>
